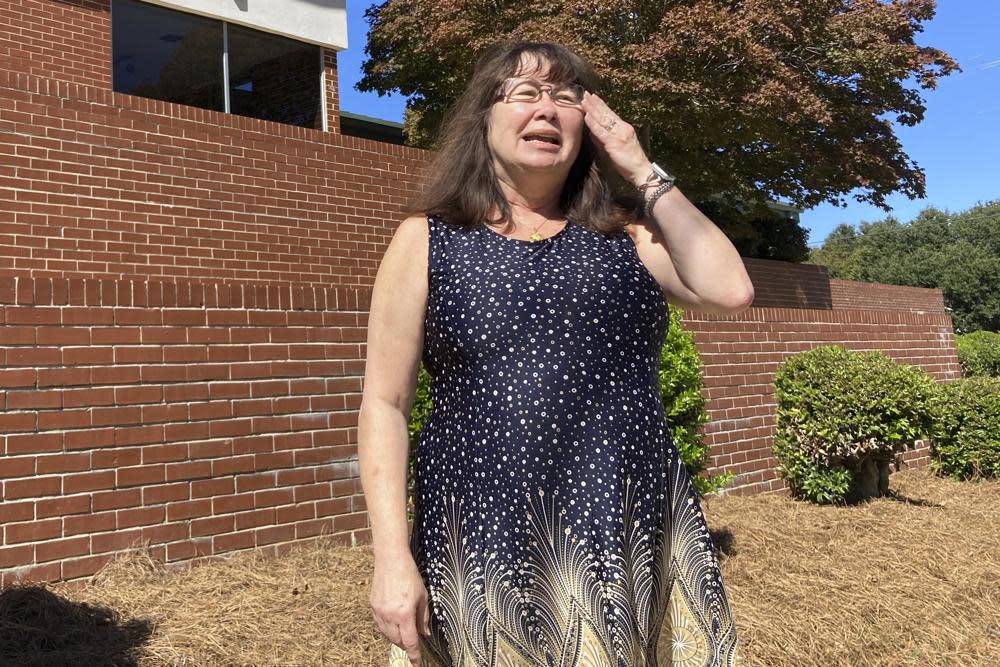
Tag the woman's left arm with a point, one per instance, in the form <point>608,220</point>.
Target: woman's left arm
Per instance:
<point>694,263</point>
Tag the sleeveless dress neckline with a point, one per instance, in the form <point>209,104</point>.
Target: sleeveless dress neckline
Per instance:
<point>562,231</point>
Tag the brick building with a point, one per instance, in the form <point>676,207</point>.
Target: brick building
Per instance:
<point>187,245</point>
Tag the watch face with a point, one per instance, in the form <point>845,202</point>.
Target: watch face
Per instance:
<point>662,173</point>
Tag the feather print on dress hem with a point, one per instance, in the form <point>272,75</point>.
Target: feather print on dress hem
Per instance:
<point>555,524</point>
<point>480,615</point>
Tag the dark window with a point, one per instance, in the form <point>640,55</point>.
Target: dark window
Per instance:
<point>167,55</point>
<point>177,57</point>
<point>366,127</point>
<point>273,77</point>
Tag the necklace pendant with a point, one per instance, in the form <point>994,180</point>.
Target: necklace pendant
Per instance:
<point>535,236</point>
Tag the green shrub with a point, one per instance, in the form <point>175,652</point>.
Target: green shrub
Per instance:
<point>680,392</point>
<point>979,353</point>
<point>843,416</point>
<point>683,404</point>
<point>419,412</point>
<point>966,444</point>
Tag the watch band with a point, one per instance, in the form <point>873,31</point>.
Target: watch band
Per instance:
<point>648,209</point>
<point>664,181</point>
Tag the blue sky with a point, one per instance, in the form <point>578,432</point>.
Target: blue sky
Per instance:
<point>957,144</point>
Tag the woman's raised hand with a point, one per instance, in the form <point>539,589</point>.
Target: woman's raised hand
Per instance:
<point>399,603</point>
<point>616,139</point>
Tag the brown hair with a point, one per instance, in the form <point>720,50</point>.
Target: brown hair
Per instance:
<point>461,184</point>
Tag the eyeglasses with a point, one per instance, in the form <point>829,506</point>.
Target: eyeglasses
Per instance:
<point>524,89</point>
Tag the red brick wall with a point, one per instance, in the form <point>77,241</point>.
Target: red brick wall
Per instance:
<point>65,40</point>
<point>198,418</point>
<point>183,299</point>
<point>96,183</point>
<point>786,285</point>
<point>876,296</point>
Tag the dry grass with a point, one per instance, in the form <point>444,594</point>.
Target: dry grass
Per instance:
<point>912,579</point>
<point>909,580</point>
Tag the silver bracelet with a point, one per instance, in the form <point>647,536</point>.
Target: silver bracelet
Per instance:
<point>648,210</point>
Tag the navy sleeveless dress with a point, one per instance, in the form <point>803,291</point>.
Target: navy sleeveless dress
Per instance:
<point>555,524</point>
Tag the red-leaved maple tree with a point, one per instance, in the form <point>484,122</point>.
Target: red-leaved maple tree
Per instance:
<point>756,99</point>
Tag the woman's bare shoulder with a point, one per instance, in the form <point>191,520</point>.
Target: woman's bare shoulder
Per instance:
<point>407,252</point>
<point>410,238</point>
<point>630,228</point>
<point>640,230</point>
<point>414,226</point>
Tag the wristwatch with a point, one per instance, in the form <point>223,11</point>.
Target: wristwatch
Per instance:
<point>660,177</point>
<point>658,174</point>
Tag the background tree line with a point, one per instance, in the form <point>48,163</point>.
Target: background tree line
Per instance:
<point>956,252</point>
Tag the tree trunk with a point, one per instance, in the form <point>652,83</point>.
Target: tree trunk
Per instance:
<point>871,479</point>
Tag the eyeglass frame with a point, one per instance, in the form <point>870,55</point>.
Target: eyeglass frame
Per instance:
<point>503,94</point>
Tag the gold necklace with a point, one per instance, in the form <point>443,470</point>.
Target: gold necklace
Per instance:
<point>535,236</point>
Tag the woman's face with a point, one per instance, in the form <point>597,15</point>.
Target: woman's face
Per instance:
<point>511,123</point>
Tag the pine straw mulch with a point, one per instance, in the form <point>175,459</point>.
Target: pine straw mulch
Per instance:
<point>911,579</point>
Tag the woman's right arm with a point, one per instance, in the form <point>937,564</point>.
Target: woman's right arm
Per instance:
<point>395,342</point>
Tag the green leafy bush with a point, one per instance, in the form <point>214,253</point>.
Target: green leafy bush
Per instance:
<point>979,353</point>
<point>680,379</point>
<point>683,404</point>
<point>843,416</point>
<point>966,444</point>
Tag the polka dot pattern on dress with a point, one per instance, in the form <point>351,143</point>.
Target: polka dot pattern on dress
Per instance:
<point>555,523</point>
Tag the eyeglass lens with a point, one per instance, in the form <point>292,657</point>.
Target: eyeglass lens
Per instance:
<point>529,90</point>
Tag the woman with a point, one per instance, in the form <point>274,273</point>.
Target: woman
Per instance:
<point>555,523</point>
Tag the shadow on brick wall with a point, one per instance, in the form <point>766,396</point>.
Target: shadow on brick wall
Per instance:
<point>41,629</point>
